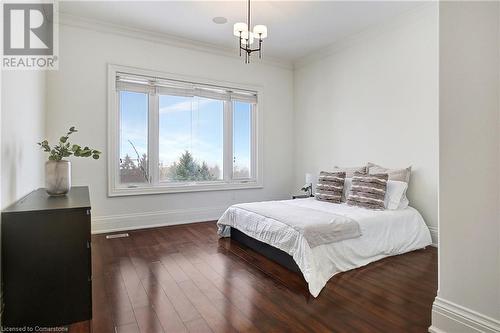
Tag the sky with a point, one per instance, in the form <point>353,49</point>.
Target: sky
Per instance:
<point>185,123</point>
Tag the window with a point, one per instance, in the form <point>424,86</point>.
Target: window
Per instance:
<point>191,140</point>
<point>133,137</point>
<point>242,140</point>
<point>171,134</point>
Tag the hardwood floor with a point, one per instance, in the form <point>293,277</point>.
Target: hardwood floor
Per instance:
<point>183,279</point>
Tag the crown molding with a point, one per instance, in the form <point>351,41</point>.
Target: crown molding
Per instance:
<point>371,32</point>
<point>161,38</point>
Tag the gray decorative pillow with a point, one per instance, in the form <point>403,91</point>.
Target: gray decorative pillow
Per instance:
<point>330,186</point>
<point>368,191</point>
<point>402,175</point>
<point>349,172</point>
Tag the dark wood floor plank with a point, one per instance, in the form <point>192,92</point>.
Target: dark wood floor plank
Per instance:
<point>173,268</point>
<point>165,311</point>
<point>161,309</point>
<point>135,290</point>
<point>198,326</point>
<point>147,320</point>
<point>180,302</point>
<point>274,292</point>
<point>216,297</point>
<point>145,315</point>
<point>102,306</point>
<point>216,321</point>
<point>184,279</point>
<point>245,302</point>
<point>254,304</point>
<point>129,328</point>
<point>240,274</point>
<point>287,302</point>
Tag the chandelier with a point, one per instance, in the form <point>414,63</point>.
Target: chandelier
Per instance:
<point>247,37</point>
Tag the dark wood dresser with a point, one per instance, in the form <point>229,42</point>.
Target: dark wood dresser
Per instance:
<point>46,260</point>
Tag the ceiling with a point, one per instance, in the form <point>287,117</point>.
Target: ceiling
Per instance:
<point>296,28</point>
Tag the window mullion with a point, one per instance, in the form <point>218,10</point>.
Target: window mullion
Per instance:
<point>153,139</point>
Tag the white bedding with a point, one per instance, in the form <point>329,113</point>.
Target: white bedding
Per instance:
<point>384,233</point>
<point>318,228</point>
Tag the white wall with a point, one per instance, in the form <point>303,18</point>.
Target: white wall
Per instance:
<point>23,125</point>
<point>374,97</point>
<point>469,209</point>
<point>78,96</point>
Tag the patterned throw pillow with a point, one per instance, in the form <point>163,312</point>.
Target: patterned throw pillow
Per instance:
<point>330,186</point>
<point>349,172</point>
<point>368,191</point>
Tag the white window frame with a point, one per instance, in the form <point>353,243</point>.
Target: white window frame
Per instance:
<point>156,187</point>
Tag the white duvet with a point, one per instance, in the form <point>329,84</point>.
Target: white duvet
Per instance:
<point>384,233</point>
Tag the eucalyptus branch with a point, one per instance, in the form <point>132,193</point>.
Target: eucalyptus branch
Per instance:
<point>65,149</point>
<point>144,172</point>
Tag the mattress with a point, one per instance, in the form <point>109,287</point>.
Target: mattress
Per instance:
<point>383,233</point>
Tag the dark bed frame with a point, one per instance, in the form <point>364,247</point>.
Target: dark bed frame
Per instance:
<point>270,252</point>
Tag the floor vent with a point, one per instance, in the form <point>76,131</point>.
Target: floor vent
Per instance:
<point>122,235</point>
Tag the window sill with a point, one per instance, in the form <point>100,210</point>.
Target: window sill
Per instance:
<point>164,189</point>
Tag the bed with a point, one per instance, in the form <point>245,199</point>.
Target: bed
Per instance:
<point>384,233</point>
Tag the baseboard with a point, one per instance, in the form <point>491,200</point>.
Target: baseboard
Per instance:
<point>113,223</point>
<point>449,317</point>
<point>434,235</point>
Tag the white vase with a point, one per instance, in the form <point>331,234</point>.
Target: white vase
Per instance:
<point>57,177</point>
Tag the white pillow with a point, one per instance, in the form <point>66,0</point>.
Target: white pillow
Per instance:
<point>404,202</point>
<point>395,194</point>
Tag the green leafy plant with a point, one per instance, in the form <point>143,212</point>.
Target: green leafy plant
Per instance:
<point>65,149</point>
